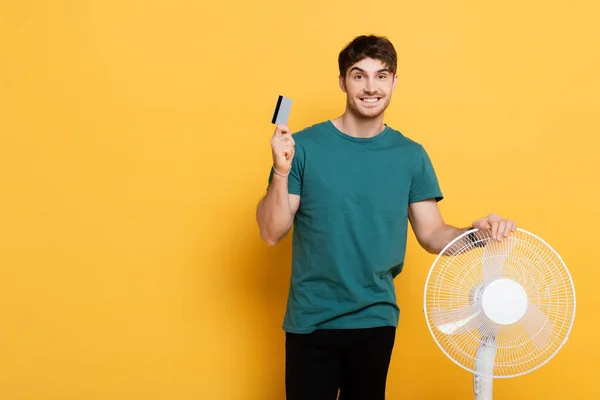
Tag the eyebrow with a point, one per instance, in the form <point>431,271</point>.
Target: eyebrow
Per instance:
<point>362,70</point>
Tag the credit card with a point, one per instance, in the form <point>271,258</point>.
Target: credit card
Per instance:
<point>282,111</point>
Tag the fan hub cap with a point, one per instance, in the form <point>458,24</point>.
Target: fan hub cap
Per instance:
<point>504,301</point>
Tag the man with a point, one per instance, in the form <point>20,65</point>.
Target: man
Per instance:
<point>349,186</point>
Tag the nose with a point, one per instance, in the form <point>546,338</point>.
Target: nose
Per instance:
<point>370,86</point>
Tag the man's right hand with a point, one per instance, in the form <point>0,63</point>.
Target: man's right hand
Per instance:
<point>282,148</point>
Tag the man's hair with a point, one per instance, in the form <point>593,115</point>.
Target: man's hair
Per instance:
<point>371,46</point>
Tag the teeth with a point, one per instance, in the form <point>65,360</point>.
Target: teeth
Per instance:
<point>370,100</point>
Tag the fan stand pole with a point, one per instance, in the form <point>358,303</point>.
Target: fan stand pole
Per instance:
<point>484,366</point>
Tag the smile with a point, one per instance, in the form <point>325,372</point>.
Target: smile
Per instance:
<point>370,100</point>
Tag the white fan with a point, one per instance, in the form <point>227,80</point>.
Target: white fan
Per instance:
<point>499,309</point>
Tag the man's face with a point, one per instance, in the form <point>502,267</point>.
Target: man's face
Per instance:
<point>368,85</point>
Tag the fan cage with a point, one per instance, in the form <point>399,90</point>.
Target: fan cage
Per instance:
<point>452,283</point>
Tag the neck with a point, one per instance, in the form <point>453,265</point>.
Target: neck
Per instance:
<point>356,126</point>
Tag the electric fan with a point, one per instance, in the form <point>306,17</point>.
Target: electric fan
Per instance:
<point>499,309</point>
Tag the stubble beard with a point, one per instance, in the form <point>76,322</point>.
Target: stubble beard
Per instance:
<point>367,114</point>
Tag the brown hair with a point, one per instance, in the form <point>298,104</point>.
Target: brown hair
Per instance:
<point>376,47</point>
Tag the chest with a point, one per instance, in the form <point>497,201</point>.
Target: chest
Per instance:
<point>357,179</point>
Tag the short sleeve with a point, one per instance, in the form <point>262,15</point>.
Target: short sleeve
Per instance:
<point>424,184</point>
<point>296,173</point>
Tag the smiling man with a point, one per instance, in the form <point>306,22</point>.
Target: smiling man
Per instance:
<point>349,186</point>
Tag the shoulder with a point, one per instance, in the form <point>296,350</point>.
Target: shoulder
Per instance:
<point>311,132</point>
<point>406,142</point>
<point>312,138</point>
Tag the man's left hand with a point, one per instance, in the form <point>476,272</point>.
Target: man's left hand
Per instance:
<point>499,226</point>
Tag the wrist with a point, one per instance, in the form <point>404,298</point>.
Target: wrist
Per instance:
<point>280,172</point>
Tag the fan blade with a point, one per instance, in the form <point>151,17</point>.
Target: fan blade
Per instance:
<point>494,257</point>
<point>538,326</point>
<point>457,320</point>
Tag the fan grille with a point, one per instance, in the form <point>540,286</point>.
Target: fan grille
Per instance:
<point>462,269</point>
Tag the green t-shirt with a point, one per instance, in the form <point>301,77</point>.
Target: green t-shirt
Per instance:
<point>350,231</point>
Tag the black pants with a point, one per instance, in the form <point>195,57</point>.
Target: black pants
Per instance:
<point>353,361</point>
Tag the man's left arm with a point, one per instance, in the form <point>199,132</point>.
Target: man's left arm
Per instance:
<point>433,234</point>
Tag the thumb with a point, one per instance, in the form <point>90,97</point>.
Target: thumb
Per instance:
<point>485,224</point>
<point>281,129</point>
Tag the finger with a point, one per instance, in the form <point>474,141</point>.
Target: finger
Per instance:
<point>494,229</point>
<point>501,227</point>
<point>287,139</point>
<point>514,227</point>
<point>288,155</point>
<point>508,228</point>
<point>287,150</point>
<point>283,128</point>
<point>280,129</point>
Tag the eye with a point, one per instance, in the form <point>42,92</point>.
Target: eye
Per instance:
<point>357,76</point>
<point>382,76</point>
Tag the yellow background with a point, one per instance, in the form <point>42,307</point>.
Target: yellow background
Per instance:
<point>135,146</point>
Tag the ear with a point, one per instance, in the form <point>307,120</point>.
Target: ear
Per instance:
<point>395,81</point>
<point>343,84</point>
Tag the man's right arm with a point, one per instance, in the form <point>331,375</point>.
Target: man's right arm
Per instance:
<point>276,211</point>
